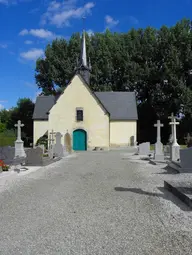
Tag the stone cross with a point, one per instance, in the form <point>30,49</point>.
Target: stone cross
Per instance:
<point>174,123</point>
<point>19,125</point>
<point>172,117</point>
<point>51,136</point>
<point>158,126</point>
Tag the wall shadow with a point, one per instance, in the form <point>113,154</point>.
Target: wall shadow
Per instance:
<point>165,195</point>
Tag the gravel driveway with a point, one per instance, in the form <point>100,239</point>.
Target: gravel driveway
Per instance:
<point>94,203</point>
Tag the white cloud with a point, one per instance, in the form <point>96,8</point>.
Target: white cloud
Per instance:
<point>28,42</point>
<point>133,20</point>
<point>41,33</point>
<point>1,106</point>
<point>3,1</point>
<point>30,84</point>
<point>110,21</point>
<point>8,2</point>
<point>3,45</point>
<point>60,13</point>
<point>33,11</point>
<point>32,54</point>
<point>90,32</point>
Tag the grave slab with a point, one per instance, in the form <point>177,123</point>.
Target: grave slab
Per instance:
<point>182,190</point>
<point>186,159</point>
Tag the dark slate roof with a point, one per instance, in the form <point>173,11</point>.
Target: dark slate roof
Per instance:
<point>42,106</point>
<point>120,105</point>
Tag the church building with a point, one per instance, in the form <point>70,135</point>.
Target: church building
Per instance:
<point>90,119</point>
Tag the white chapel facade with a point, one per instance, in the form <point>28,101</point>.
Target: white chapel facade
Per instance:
<point>90,119</point>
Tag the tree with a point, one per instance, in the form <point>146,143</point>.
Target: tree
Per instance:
<point>154,63</point>
<point>24,112</point>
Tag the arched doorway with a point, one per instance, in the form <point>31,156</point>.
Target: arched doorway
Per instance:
<point>79,140</point>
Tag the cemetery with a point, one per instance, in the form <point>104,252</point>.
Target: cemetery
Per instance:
<point>99,159</point>
<point>50,142</point>
<point>18,158</point>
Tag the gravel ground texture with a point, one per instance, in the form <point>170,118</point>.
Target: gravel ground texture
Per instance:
<point>94,203</point>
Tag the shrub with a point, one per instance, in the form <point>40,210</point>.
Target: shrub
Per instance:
<point>43,140</point>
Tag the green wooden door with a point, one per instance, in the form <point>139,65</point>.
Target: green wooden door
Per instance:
<point>79,140</point>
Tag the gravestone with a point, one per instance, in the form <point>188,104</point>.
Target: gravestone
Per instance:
<point>7,154</point>
<point>175,148</point>
<point>188,140</point>
<point>186,159</point>
<point>19,148</point>
<point>144,148</point>
<point>58,148</point>
<point>132,141</point>
<point>172,117</point>
<point>67,142</point>
<point>158,146</point>
<point>34,157</point>
<point>42,146</point>
<point>167,149</point>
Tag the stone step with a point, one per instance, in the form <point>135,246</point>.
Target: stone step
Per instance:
<point>182,190</point>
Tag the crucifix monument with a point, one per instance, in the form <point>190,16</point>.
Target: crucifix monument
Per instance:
<point>51,140</point>
<point>172,117</point>
<point>159,146</point>
<point>175,148</point>
<point>19,148</point>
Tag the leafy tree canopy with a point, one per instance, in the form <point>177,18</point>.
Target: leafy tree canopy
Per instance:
<point>155,63</point>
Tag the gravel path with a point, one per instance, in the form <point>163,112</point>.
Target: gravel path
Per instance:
<point>92,204</point>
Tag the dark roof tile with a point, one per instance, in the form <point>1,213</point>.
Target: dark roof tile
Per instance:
<point>120,105</point>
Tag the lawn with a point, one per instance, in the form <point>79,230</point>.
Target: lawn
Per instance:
<point>182,146</point>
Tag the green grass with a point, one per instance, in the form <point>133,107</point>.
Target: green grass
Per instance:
<point>182,146</point>
<point>7,140</point>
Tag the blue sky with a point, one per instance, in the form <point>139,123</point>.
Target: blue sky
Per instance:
<point>28,25</point>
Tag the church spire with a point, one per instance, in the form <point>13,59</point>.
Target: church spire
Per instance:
<point>83,69</point>
<point>83,51</point>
